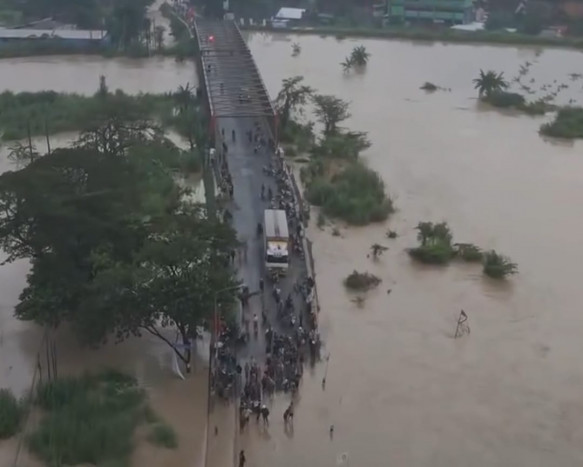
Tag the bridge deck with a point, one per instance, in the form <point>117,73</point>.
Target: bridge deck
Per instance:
<point>233,84</point>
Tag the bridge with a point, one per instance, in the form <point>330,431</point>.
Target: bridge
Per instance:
<point>229,79</point>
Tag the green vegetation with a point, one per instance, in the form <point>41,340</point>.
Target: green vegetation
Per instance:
<point>436,248</point>
<point>89,419</point>
<point>163,435</point>
<point>468,252</point>
<point>335,178</point>
<point>11,414</point>
<point>498,266</point>
<point>489,82</point>
<point>115,248</point>
<point>51,112</point>
<point>356,194</point>
<point>568,123</point>
<point>361,281</point>
<point>491,89</point>
<point>358,58</point>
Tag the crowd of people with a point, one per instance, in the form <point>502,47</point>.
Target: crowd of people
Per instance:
<point>288,311</point>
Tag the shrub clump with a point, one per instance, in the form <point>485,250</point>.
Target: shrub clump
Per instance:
<point>498,266</point>
<point>11,414</point>
<point>163,435</point>
<point>429,87</point>
<point>567,124</point>
<point>356,195</point>
<point>468,252</point>
<point>361,281</point>
<point>436,247</point>
<point>89,420</point>
<point>503,99</point>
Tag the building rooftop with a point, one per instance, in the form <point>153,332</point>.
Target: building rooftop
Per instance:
<point>52,33</point>
<point>290,13</point>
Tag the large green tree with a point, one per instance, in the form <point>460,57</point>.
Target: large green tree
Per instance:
<point>114,250</point>
<point>292,97</point>
<point>330,110</point>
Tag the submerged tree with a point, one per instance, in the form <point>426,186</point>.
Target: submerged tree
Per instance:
<point>359,56</point>
<point>330,110</point>
<point>498,266</point>
<point>489,82</point>
<point>291,98</point>
<point>347,64</point>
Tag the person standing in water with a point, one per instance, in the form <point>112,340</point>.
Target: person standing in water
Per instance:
<point>242,458</point>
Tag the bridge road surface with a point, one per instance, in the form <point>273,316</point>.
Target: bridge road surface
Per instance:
<point>247,209</point>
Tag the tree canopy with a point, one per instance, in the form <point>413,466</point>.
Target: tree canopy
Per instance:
<point>114,248</point>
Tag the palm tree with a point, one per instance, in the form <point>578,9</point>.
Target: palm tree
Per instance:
<point>489,82</point>
<point>347,64</point>
<point>359,56</point>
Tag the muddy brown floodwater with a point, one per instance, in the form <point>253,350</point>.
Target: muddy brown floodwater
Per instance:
<point>400,390</point>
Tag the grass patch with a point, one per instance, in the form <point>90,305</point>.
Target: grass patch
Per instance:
<point>59,112</point>
<point>361,281</point>
<point>568,123</point>
<point>11,414</point>
<point>498,266</point>
<point>89,420</point>
<point>163,435</point>
<point>356,194</point>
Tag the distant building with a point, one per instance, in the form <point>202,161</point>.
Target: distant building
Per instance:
<point>288,17</point>
<point>442,11</point>
<point>75,38</point>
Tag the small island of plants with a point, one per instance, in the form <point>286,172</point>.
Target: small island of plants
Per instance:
<point>335,178</point>
<point>436,247</point>
<point>568,123</point>
<point>361,281</point>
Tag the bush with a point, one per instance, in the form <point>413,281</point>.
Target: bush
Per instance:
<point>342,145</point>
<point>11,413</point>
<point>90,419</point>
<point>361,281</point>
<point>468,252</point>
<point>498,266</point>
<point>429,87</point>
<point>567,124</point>
<point>437,252</point>
<point>163,435</point>
<point>356,195</point>
<point>503,99</point>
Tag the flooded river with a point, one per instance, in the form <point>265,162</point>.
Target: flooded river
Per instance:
<point>400,391</point>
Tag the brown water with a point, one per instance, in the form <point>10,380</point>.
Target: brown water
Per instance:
<point>400,391</point>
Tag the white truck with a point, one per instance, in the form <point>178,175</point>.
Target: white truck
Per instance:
<point>276,236</point>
